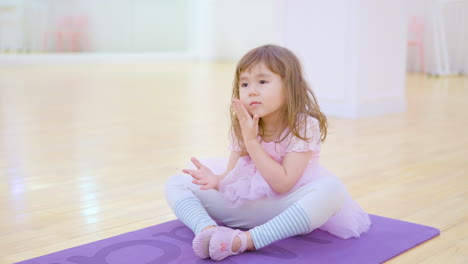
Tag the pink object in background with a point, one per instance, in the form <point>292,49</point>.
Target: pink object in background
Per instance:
<point>70,34</point>
<point>416,37</point>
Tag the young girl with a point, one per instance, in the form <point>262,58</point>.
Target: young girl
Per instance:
<point>272,185</point>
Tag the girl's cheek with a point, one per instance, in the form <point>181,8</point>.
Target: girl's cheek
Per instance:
<point>242,96</point>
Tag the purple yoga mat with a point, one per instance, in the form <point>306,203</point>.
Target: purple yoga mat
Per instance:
<point>171,242</point>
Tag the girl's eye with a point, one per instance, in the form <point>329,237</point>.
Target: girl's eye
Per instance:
<point>263,82</point>
<point>243,85</point>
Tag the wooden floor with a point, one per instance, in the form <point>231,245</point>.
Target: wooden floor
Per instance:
<point>85,150</point>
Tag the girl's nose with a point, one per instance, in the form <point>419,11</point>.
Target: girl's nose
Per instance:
<point>253,91</point>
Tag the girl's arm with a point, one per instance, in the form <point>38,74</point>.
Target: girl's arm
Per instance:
<point>280,177</point>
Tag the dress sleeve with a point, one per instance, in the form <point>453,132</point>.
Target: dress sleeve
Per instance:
<point>233,145</point>
<point>312,132</point>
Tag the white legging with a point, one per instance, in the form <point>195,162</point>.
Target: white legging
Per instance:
<point>320,199</point>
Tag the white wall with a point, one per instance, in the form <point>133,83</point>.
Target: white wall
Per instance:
<point>228,29</point>
<point>138,26</point>
<point>353,52</point>
<point>318,32</point>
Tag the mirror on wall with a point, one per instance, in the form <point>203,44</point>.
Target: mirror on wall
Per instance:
<point>104,26</point>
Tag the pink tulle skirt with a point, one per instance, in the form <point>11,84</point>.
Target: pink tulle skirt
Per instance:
<point>245,183</point>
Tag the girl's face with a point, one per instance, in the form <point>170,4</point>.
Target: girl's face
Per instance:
<point>261,92</point>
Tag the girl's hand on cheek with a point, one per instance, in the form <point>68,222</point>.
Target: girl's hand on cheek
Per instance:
<point>248,124</point>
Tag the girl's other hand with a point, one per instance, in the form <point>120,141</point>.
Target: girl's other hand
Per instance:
<point>248,124</point>
<point>203,176</point>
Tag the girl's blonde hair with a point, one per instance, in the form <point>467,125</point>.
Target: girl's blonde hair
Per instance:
<point>300,99</point>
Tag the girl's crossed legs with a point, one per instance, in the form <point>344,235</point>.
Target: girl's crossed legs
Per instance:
<point>268,220</point>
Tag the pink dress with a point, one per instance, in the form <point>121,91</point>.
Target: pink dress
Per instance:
<point>245,182</point>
